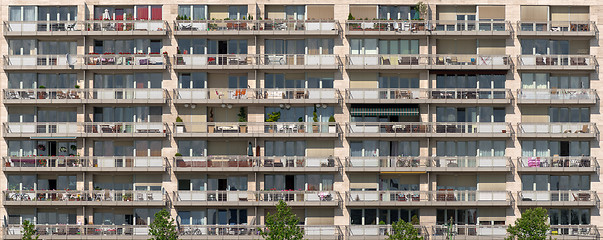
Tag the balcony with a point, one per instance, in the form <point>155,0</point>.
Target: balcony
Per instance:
<point>83,198</point>
<point>251,231</point>
<point>386,61</point>
<point>470,231</point>
<point>386,27</point>
<point>42,28</point>
<point>557,198</point>
<point>84,129</point>
<point>125,61</point>
<point>575,232</point>
<point>428,129</point>
<point>256,129</point>
<point>215,61</point>
<point>432,164</point>
<point>86,163</point>
<point>471,28</point>
<point>256,198</point>
<point>256,27</point>
<point>428,198</point>
<point>557,164</point>
<point>557,28</point>
<point>470,62</point>
<point>233,163</point>
<point>557,96</point>
<point>41,62</point>
<point>257,95</point>
<point>557,62</point>
<point>81,96</point>
<point>125,27</point>
<point>557,130</point>
<point>299,61</point>
<point>436,95</point>
<point>362,232</point>
<point>13,231</point>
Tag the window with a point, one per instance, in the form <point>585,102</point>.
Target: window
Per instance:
<point>458,216</point>
<point>307,80</point>
<point>309,182</point>
<point>555,182</point>
<point>569,114</point>
<point>317,46</point>
<point>21,47</point>
<point>21,182</point>
<point>137,80</point>
<point>282,148</point>
<point>470,114</point>
<point>470,148</point>
<point>192,12</point>
<point>22,148</point>
<point>398,46</point>
<point>397,81</point>
<point>363,46</point>
<point>192,217</point>
<point>306,114</point>
<point>395,12</point>
<point>56,115</point>
<point>485,81</point>
<point>22,13</point>
<point>237,81</point>
<point>552,148</point>
<point>564,216</point>
<point>369,148</point>
<point>62,13</point>
<point>128,114</point>
<point>237,12</point>
<point>388,216</point>
<point>55,47</point>
<point>545,46</point>
<point>295,12</point>
<point>131,46</point>
<point>192,80</point>
<point>192,148</point>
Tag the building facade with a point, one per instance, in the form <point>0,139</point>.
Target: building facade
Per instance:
<point>455,116</point>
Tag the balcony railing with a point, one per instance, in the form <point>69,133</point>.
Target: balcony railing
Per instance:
<point>557,162</point>
<point>220,94</point>
<point>287,60</point>
<point>485,231</point>
<point>576,196</point>
<point>125,60</point>
<point>41,60</point>
<point>76,95</point>
<point>418,93</point>
<point>232,161</point>
<point>125,25</point>
<point>557,27</point>
<point>81,128</point>
<point>253,230</point>
<point>471,60</point>
<point>557,60</point>
<point>76,230</point>
<point>575,231</point>
<point>558,128</point>
<point>78,162</point>
<point>41,26</point>
<point>433,162</point>
<point>45,128</point>
<point>427,127</point>
<point>393,60</point>
<point>429,196</point>
<point>255,196</point>
<point>257,26</point>
<point>124,128</point>
<point>471,26</point>
<point>379,230</point>
<point>575,95</point>
<point>79,195</point>
<point>214,60</point>
<point>277,128</point>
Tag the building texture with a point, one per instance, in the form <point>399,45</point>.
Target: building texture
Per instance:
<point>455,116</point>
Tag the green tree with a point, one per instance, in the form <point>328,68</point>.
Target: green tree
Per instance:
<point>163,227</point>
<point>29,231</point>
<point>531,225</point>
<point>282,224</point>
<point>403,231</point>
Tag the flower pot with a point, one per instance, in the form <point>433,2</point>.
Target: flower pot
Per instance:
<point>332,129</point>
<point>179,129</point>
<point>315,128</point>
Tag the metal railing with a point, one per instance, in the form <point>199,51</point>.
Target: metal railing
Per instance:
<point>79,195</point>
<point>558,162</point>
<point>290,128</point>
<point>425,196</point>
<point>125,25</point>
<point>435,162</point>
<point>63,60</point>
<point>85,94</point>
<point>557,26</point>
<point>41,128</point>
<point>476,60</point>
<point>434,93</point>
<point>590,231</point>
<point>299,60</point>
<point>558,196</point>
<point>470,26</point>
<point>387,26</point>
<point>556,60</point>
<point>199,60</point>
<point>469,230</point>
<point>253,230</point>
<point>558,94</point>
<point>386,59</point>
<point>380,230</point>
<point>42,26</point>
<point>428,127</point>
<point>125,128</point>
<point>558,127</point>
<point>78,162</point>
<point>274,26</point>
<point>73,229</point>
<point>233,161</point>
<point>256,93</point>
<point>125,59</point>
<point>261,196</point>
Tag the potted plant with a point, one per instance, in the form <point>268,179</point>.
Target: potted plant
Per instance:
<point>179,125</point>
<point>242,118</point>
<point>332,127</point>
<point>315,119</point>
<point>382,230</point>
<point>273,117</point>
<point>76,86</point>
<point>41,93</point>
<point>301,126</point>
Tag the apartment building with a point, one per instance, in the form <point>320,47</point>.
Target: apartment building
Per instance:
<point>455,118</point>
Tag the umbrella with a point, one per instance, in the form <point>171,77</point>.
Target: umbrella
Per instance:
<point>106,15</point>
<point>250,150</point>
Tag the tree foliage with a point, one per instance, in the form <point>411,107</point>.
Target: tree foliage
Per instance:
<point>403,231</point>
<point>282,224</point>
<point>163,227</point>
<point>29,231</point>
<point>532,225</point>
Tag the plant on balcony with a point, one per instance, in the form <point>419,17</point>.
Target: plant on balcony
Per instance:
<point>282,224</point>
<point>421,8</point>
<point>273,117</point>
<point>242,115</point>
<point>41,87</point>
<point>163,227</point>
<point>29,231</point>
<point>76,86</point>
<point>178,154</point>
<point>403,231</point>
<point>350,17</point>
<point>178,119</point>
<point>531,225</point>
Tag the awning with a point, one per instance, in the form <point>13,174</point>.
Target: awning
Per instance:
<point>381,111</point>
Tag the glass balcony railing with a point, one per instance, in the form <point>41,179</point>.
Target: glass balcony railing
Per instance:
<point>471,60</point>
<point>569,197</point>
<point>470,26</point>
<point>77,95</point>
<point>317,60</point>
<point>41,26</point>
<point>478,231</point>
<point>433,162</point>
<point>557,95</point>
<point>255,196</point>
<point>556,26</point>
<point>214,60</point>
<point>276,128</point>
<point>258,26</point>
<point>565,128</point>
<point>78,162</point>
<point>557,162</point>
<point>420,93</point>
<point>379,230</point>
<point>84,196</point>
<point>392,60</point>
<point>75,230</point>
<point>232,161</point>
<point>125,25</point>
<point>125,59</point>
<point>427,127</point>
<point>429,196</point>
<point>257,94</point>
<point>253,230</point>
<point>556,60</point>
